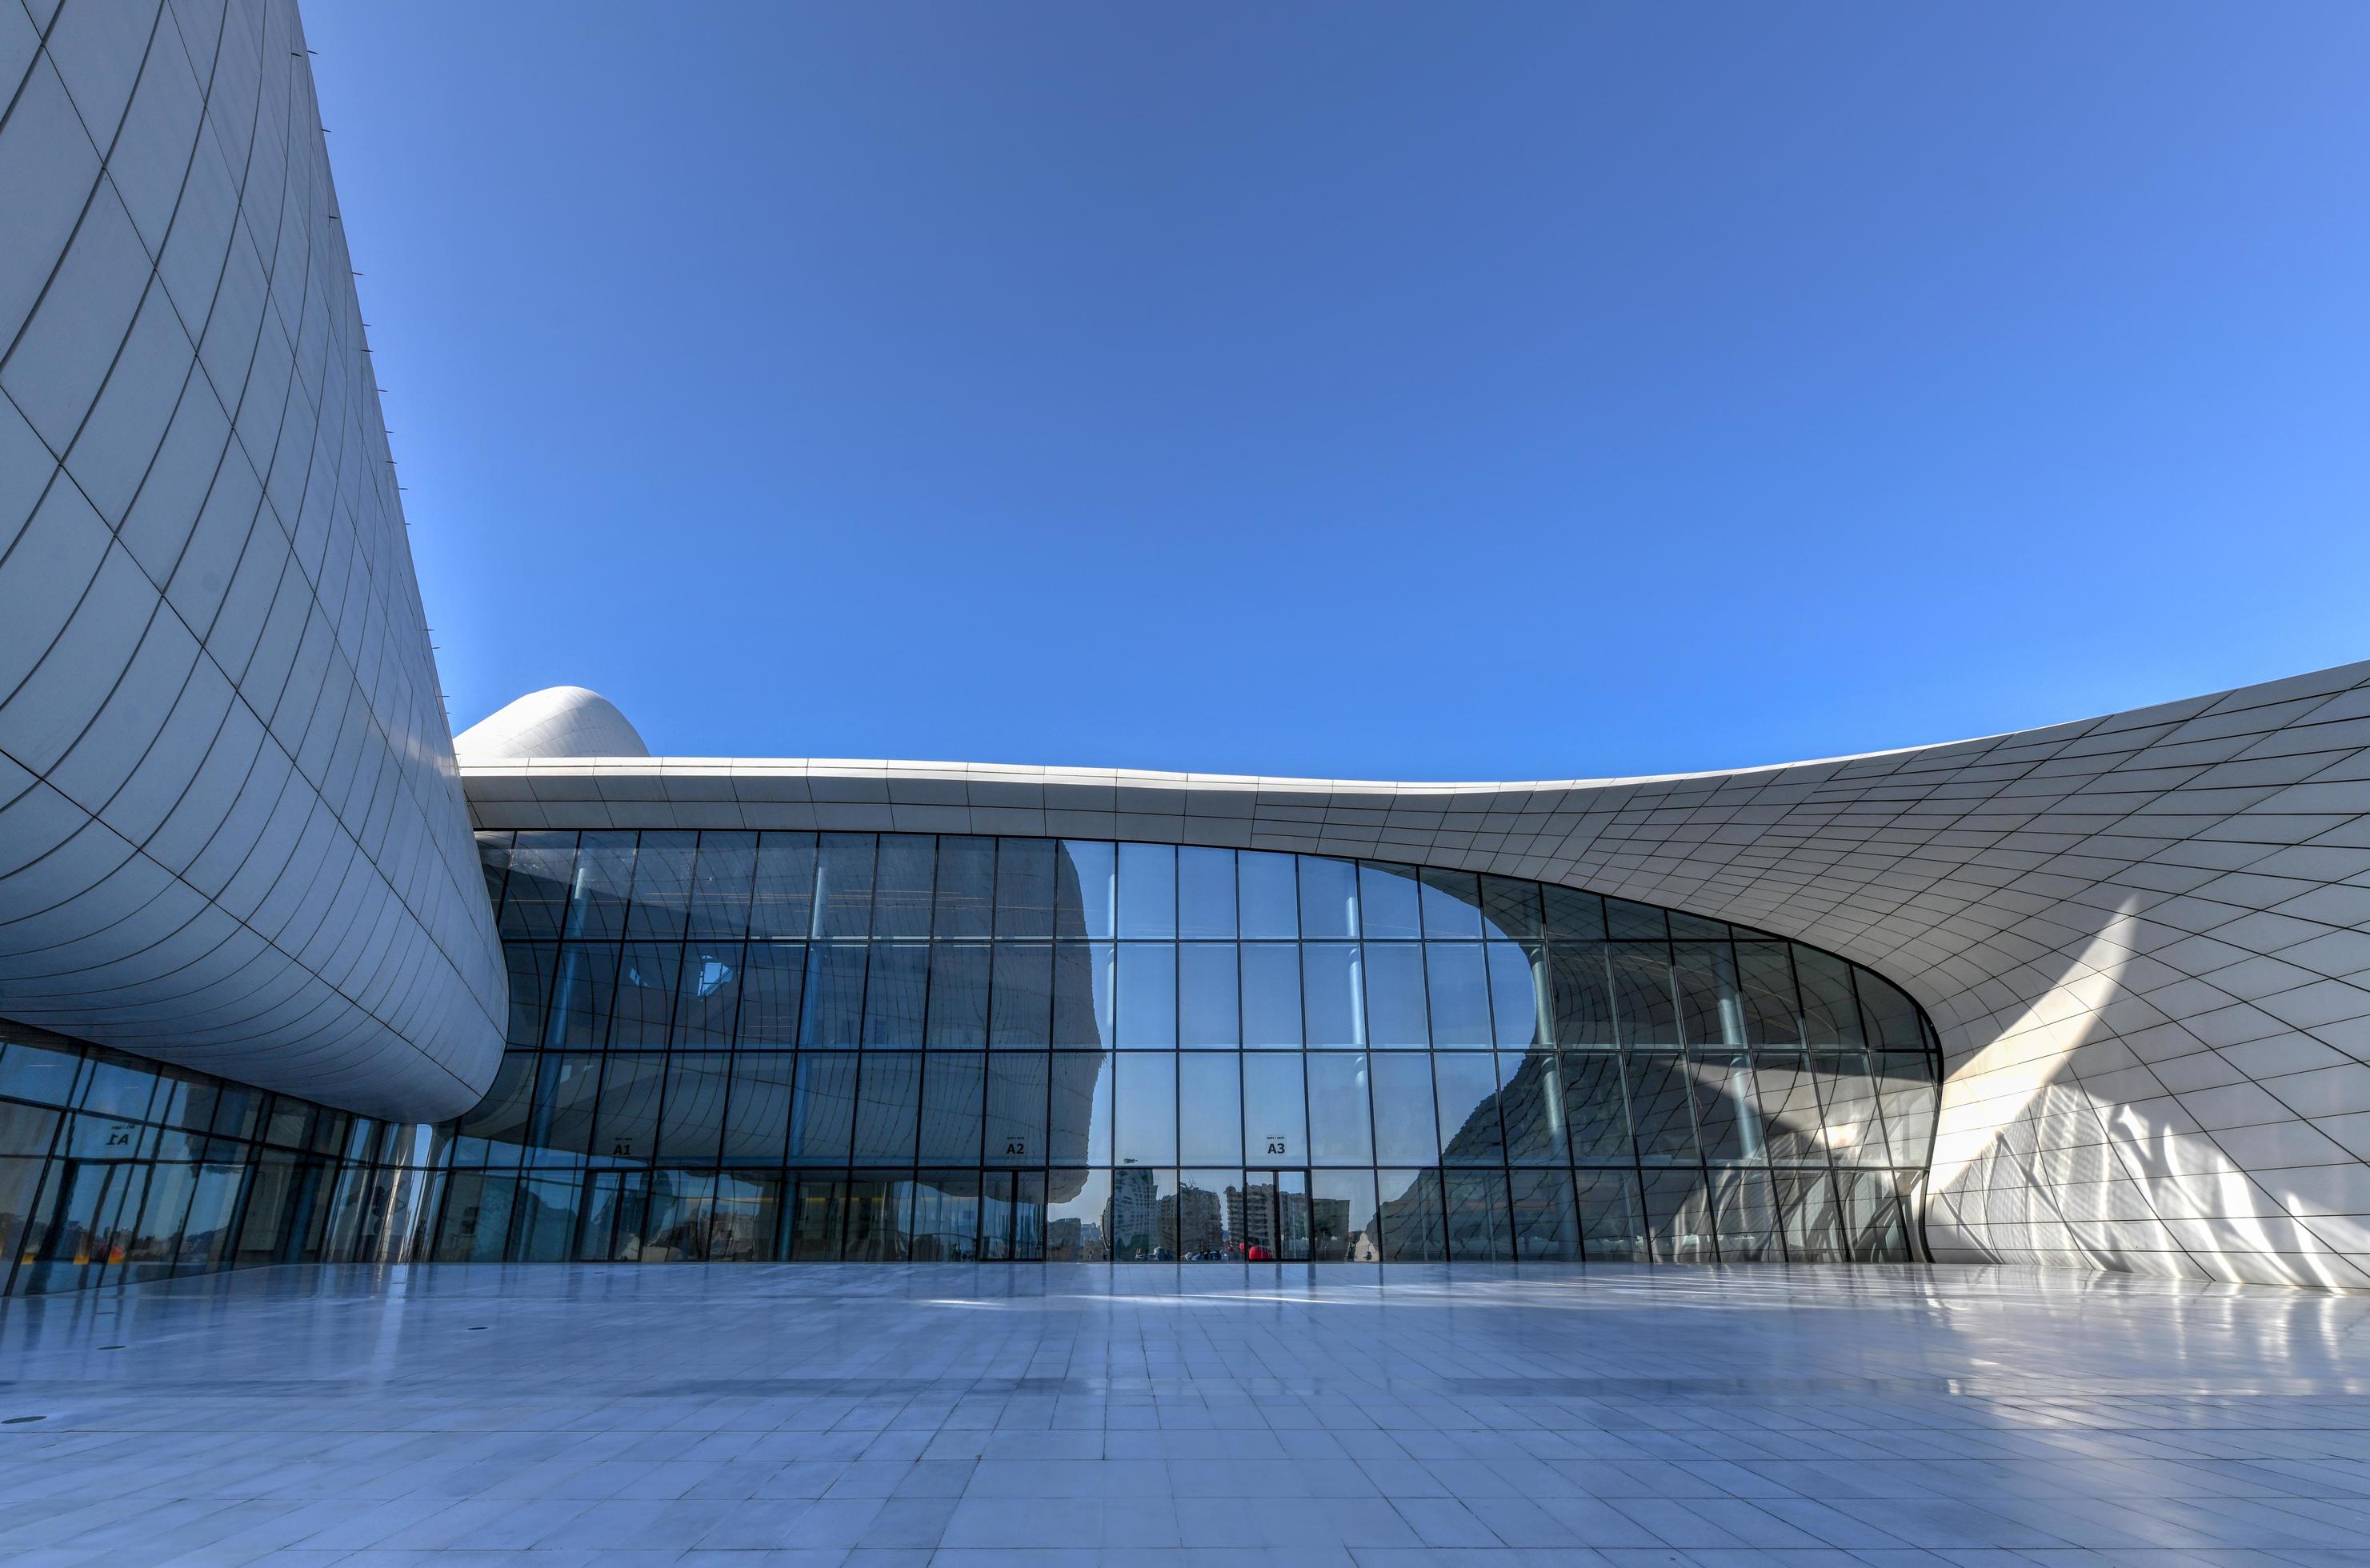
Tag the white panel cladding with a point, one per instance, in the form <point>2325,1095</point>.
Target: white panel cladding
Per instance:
<point>230,830</point>
<point>2145,938</point>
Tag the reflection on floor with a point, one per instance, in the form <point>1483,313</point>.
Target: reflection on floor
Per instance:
<point>949,1414</point>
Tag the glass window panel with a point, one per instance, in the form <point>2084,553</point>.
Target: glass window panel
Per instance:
<point>1027,1215</point>
<point>1626,922</point>
<point>1888,1016</point>
<point>1210,1118</point>
<point>1328,897</point>
<point>843,884</point>
<point>896,993</point>
<point>1686,927</point>
<point>1519,1008</point>
<point>1908,1093</point>
<point>1081,1130</point>
<point>1332,993</point>
<point>1206,994</point>
<point>1268,892</point>
<point>1766,981</point>
<point>1531,1103</point>
<point>1710,1012</point>
<point>1744,1211</point>
<point>1478,1230</point>
<point>1024,887</point>
<point>1728,1120</point>
<point>490,1132</point>
<point>946,1218</point>
<point>719,895</point>
<point>959,994</point>
<point>1510,908</point>
<point>1395,1005</point>
<point>746,1216</point>
<point>1341,1131</point>
<point>1830,1012</point>
<point>1872,1228</point>
<point>631,1086</point>
<point>1583,996</point>
<point>1271,989</point>
<point>698,1084</point>
<point>834,994</point>
<point>602,886</point>
<point>1459,988</point>
<point>1341,1227</point>
<point>1147,891</point>
<point>1546,1220</point>
<point>1083,874</point>
<point>1205,895</point>
<point>1404,1131</point>
<point>818,1212</point>
<point>822,1115</point>
<point>966,900</point>
<point>1678,1217</point>
<point>1274,1115</point>
<point>1789,1109</point>
<point>901,882</point>
<point>773,977</point>
<point>1148,1108</point>
<point>567,1085</point>
<point>646,978</point>
<point>582,991</point>
<point>1612,1223</point>
<point>1855,1133</point>
<point>1410,1216</point>
<point>542,877</point>
<point>1658,1108</point>
<point>1809,1218</point>
<point>1018,1082</point>
<point>1469,1134</point>
<point>783,904</point>
<point>662,868</point>
<point>709,1000</point>
<point>888,1104</point>
<point>1452,903</point>
<point>677,1230</point>
<point>477,1217</point>
<point>1388,909</point>
<point>531,966</point>
<point>1641,993</point>
<point>954,1106</point>
<point>1147,994</point>
<point>1593,1108</point>
<point>1206,1232</point>
<point>1142,1216</point>
<point>1077,1209</point>
<point>1083,993</point>
<point>757,1116</point>
<point>1022,1011</point>
<point>1572,915</point>
<point>877,1210</point>
<point>43,1074</point>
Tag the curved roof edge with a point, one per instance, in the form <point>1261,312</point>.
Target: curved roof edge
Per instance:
<point>2144,937</point>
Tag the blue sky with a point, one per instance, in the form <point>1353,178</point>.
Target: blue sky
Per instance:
<point>1402,391</point>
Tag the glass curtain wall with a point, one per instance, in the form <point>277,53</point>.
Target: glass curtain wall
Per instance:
<point>902,1046</point>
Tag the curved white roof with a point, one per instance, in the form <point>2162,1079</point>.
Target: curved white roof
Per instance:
<point>558,721</point>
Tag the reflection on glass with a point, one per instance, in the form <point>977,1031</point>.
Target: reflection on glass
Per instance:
<point>1209,1115</point>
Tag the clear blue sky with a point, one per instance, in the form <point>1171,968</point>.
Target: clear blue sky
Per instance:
<point>1418,391</point>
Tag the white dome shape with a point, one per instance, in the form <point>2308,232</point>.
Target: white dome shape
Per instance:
<point>558,721</point>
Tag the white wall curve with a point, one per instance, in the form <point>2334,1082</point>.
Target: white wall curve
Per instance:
<point>2145,938</point>
<point>231,834</point>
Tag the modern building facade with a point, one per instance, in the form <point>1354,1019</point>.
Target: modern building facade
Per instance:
<point>291,973</point>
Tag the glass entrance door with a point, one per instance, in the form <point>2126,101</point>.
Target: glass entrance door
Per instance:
<point>1276,1217</point>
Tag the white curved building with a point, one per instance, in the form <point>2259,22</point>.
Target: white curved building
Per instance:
<point>2095,995</point>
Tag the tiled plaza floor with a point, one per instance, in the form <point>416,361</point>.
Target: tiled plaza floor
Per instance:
<point>953,1415</point>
